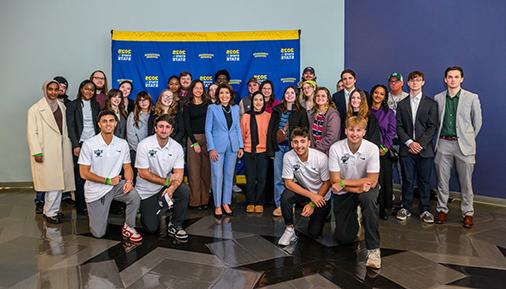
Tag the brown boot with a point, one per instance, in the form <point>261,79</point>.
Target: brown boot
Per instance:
<point>259,209</point>
<point>441,217</point>
<point>468,222</point>
<point>250,209</point>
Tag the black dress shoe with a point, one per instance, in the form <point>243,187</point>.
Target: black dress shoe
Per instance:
<point>39,208</point>
<point>53,220</point>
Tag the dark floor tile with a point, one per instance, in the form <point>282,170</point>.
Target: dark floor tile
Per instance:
<point>479,277</point>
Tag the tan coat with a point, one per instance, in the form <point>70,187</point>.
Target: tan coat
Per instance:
<point>55,173</point>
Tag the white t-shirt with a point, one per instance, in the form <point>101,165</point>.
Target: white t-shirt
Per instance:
<point>160,161</point>
<point>354,166</point>
<point>310,174</point>
<point>105,160</point>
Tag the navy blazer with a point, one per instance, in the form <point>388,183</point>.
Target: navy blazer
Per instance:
<point>218,136</point>
<point>426,125</point>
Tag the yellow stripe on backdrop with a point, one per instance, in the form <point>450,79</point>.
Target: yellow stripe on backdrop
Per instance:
<point>205,36</point>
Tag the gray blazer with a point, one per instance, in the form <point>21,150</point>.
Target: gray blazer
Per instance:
<point>468,120</point>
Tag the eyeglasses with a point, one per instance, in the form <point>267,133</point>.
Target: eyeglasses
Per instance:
<point>98,78</point>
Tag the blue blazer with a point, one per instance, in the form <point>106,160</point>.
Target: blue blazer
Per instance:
<point>218,136</point>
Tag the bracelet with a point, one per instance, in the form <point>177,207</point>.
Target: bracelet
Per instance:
<point>195,145</point>
<point>341,183</point>
<point>167,182</point>
<point>108,181</point>
<point>312,205</point>
<point>38,155</point>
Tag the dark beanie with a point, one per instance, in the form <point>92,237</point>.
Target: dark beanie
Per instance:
<point>61,79</point>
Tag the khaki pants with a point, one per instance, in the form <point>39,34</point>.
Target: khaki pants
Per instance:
<point>199,172</point>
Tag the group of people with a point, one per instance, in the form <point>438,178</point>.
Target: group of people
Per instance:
<point>329,152</point>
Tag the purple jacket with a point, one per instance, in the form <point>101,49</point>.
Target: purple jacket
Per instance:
<point>387,124</point>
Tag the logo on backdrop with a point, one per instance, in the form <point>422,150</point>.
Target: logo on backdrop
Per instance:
<point>260,54</point>
<point>235,81</point>
<point>179,55</point>
<point>124,54</point>
<point>260,77</point>
<point>152,55</point>
<point>151,81</point>
<point>206,79</point>
<point>206,56</point>
<point>233,55</point>
<point>288,80</point>
<point>287,53</point>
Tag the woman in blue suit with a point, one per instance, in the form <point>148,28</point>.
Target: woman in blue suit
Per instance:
<point>224,143</point>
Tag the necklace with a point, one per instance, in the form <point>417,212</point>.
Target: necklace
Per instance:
<point>222,107</point>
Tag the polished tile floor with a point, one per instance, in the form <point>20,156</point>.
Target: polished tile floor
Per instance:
<point>241,252</point>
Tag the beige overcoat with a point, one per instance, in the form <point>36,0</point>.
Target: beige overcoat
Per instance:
<point>55,173</point>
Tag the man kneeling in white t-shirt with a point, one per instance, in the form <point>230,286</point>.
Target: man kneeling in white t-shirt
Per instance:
<point>100,162</point>
<point>160,161</point>
<point>306,175</point>
<point>354,169</point>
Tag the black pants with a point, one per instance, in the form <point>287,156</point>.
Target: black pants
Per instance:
<point>133,154</point>
<point>149,207</point>
<point>80,201</point>
<point>385,181</point>
<point>256,166</point>
<point>345,212</point>
<point>316,220</point>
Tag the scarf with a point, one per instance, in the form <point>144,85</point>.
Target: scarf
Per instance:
<point>253,127</point>
<point>53,103</point>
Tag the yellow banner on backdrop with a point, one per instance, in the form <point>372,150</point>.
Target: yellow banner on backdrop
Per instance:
<point>205,36</point>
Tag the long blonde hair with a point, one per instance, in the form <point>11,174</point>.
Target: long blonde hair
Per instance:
<point>173,106</point>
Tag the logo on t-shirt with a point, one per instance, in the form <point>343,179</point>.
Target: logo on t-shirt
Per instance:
<point>345,158</point>
<point>152,153</point>
<point>98,153</point>
<point>296,167</point>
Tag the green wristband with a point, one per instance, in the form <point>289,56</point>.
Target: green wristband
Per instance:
<point>38,155</point>
<point>341,183</point>
<point>195,145</point>
<point>167,182</point>
<point>312,205</point>
<point>108,181</point>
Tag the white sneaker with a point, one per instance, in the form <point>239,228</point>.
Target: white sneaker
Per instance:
<point>373,259</point>
<point>287,237</point>
<point>403,214</point>
<point>236,189</point>
<point>131,234</point>
<point>427,217</point>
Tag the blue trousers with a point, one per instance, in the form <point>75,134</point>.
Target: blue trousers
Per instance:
<point>414,168</point>
<point>279,184</point>
<point>222,175</point>
<point>39,196</point>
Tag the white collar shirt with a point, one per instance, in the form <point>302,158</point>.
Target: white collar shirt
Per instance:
<point>353,165</point>
<point>160,161</point>
<point>310,174</point>
<point>105,160</point>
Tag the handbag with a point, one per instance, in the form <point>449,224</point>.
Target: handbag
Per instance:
<point>281,134</point>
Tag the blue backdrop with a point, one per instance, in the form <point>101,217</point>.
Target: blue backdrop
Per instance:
<point>148,59</point>
<point>386,36</point>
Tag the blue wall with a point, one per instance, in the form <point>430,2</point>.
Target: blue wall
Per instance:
<point>386,36</point>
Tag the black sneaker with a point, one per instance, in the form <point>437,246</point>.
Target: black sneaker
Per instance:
<point>53,220</point>
<point>69,202</point>
<point>177,233</point>
<point>39,208</point>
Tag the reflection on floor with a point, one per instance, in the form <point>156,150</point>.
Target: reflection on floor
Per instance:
<point>241,252</point>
